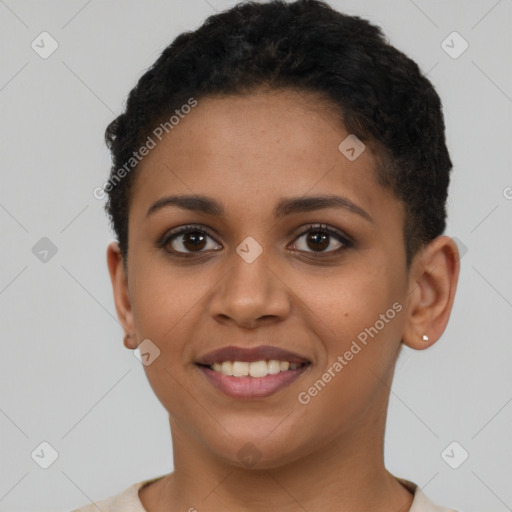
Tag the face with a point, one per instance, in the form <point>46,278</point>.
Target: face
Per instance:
<point>266,265</point>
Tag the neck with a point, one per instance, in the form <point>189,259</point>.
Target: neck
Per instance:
<point>346,474</point>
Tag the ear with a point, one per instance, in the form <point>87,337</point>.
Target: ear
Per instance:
<point>116,269</point>
<point>432,283</point>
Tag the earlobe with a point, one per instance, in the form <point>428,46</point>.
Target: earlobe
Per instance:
<point>433,281</point>
<point>122,302</point>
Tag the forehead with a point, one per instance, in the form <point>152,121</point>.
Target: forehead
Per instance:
<point>249,151</point>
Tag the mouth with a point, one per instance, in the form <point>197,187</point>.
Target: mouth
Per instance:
<point>252,373</point>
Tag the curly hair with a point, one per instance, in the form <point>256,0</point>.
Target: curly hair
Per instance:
<point>381,96</point>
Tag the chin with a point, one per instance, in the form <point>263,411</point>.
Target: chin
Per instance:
<point>256,452</point>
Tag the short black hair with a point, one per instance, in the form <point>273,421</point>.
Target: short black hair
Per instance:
<point>381,95</point>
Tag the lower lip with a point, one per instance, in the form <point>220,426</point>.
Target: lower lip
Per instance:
<point>252,387</point>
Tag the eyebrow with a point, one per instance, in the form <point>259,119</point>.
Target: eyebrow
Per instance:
<point>284,207</point>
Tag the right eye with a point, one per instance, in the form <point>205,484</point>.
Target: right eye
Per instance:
<point>187,240</point>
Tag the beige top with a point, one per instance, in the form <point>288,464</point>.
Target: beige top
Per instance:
<point>128,500</point>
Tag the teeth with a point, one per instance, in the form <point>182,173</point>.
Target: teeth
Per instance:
<point>240,369</point>
<point>226,368</point>
<point>254,369</point>
<point>258,369</point>
<point>273,367</point>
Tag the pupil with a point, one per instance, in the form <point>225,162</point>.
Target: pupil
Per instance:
<point>319,238</point>
<point>195,239</point>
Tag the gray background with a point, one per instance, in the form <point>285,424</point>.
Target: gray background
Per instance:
<point>66,377</point>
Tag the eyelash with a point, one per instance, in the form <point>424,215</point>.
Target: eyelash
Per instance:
<point>322,229</point>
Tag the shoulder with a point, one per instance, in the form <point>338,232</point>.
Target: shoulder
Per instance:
<point>421,502</point>
<point>127,501</point>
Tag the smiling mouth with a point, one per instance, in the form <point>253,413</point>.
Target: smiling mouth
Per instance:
<point>251,372</point>
<point>251,380</point>
<point>254,369</point>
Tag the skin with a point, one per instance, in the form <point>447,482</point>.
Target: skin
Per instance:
<point>249,152</point>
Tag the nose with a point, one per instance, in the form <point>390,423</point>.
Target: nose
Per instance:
<point>250,295</point>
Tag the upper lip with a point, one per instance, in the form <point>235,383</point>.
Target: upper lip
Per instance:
<point>260,353</point>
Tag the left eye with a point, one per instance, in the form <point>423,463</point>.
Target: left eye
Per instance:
<point>320,238</point>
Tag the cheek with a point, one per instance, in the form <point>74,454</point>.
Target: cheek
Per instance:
<point>165,309</point>
<point>156,312</point>
<point>166,297</point>
<point>363,319</point>
<point>358,306</point>
<point>168,309</point>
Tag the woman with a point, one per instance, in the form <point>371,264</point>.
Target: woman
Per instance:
<point>278,194</point>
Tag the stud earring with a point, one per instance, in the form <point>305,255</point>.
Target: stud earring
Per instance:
<point>425,337</point>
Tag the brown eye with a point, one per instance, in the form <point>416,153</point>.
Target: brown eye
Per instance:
<point>321,239</point>
<point>318,241</point>
<point>189,240</point>
<point>193,241</point>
